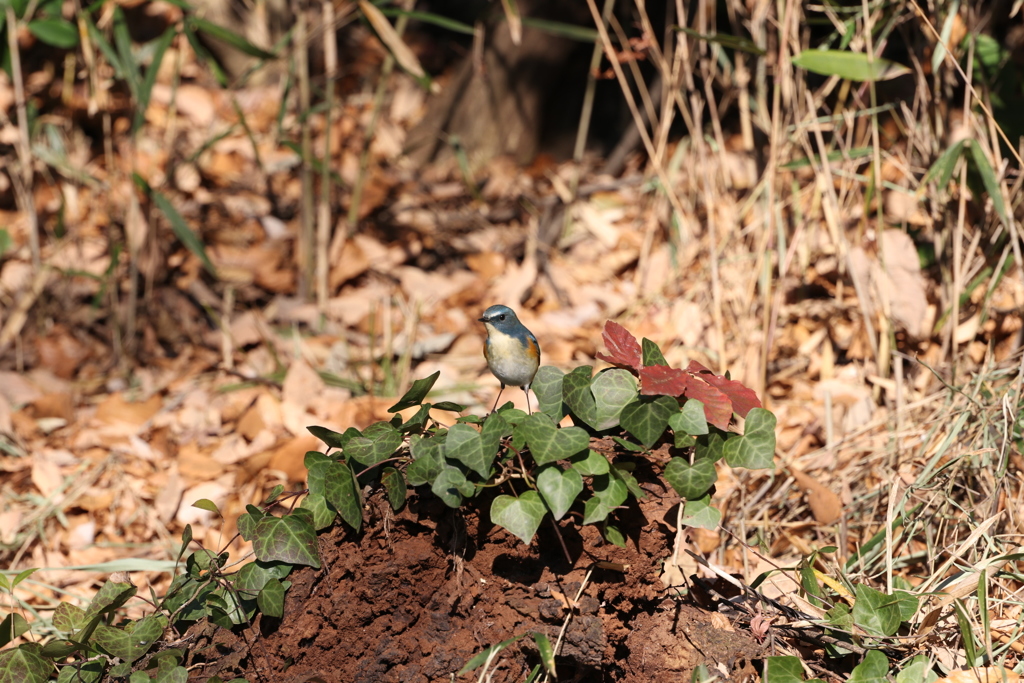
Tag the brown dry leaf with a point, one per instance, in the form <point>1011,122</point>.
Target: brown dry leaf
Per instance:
<point>6,425</point>
<point>196,464</point>
<point>290,457</point>
<point>114,409</point>
<point>825,505</point>
<point>251,423</point>
<point>46,474</point>
<point>10,523</point>
<point>61,352</point>
<point>567,603</point>
<point>672,575</point>
<point>898,288</point>
<point>168,497</point>
<point>302,385</point>
<point>390,37</point>
<point>17,389</point>
<point>54,405</point>
<point>982,674</point>
<point>488,264</point>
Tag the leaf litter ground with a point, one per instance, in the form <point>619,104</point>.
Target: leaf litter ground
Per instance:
<point>106,451</point>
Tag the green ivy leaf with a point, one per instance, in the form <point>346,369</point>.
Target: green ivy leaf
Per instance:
<point>917,670</point>
<point>286,539</point>
<point>169,673</point>
<point>67,618</point>
<point>109,597</point>
<point>756,448</point>
<point>701,514</point>
<point>394,484</point>
<point>208,505</point>
<point>495,428</point>
<point>652,355</point>
<point>323,514</point>
<point>840,617</point>
<point>590,463</point>
<point>332,438</point>
<point>25,664</point>
<point>60,649</point>
<point>417,392</point>
<point>628,445</point>
<point>247,523</point>
<point>511,415</point>
<point>609,493</point>
<point>271,599</point>
<point>547,386</point>
<point>647,418</point>
<point>12,626</point>
<point>710,447</point>
<point>612,389</point>
<point>134,640</point>
<point>875,611</point>
<point>274,494</point>
<point>559,489</point>
<point>81,672</point>
<point>577,395</point>
<point>417,422</point>
<point>690,420</point>
<point>251,578</point>
<point>520,516</point>
<point>428,459</point>
<point>907,603</point>
<point>465,445</point>
<point>342,491</point>
<point>377,443</point>
<point>690,481</point>
<point>787,669</point>
<point>451,486</point>
<point>873,669</point>
<point>613,535</point>
<point>548,443</point>
<point>622,470</point>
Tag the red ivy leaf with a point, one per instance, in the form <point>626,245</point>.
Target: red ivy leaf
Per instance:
<point>623,348</point>
<point>717,406</point>
<point>743,399</point>
<point>660,380</point>
<point>695,368</point>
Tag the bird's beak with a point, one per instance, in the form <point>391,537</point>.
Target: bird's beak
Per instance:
<point>483,320</point>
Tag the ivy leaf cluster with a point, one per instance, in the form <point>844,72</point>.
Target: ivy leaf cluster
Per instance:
<point>542,466</point>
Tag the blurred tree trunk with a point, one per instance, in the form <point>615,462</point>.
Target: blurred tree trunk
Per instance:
<point>499,108</point>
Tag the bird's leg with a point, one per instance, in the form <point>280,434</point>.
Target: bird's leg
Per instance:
<point>498,397</point>
<point>526,390</point>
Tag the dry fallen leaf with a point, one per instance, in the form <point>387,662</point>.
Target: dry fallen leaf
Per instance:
<point>825,505</point>
<point>983,674</point>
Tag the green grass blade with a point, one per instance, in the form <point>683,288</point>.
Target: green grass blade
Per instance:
<point>236,41</point>
<point>146,87</point>
<point>852,66</point>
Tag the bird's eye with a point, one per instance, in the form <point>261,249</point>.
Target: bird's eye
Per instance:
<point>501,317</point>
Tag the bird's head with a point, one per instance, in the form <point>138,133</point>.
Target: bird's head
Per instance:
<point>501,318</point>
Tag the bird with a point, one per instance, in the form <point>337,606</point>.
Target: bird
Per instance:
<point>511,350</point>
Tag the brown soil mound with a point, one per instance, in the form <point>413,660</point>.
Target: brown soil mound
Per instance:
<point>420,592</point>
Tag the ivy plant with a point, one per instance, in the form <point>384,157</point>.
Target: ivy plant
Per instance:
<point>543,467</point>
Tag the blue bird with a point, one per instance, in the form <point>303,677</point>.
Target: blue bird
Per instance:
<point>511,350</point>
